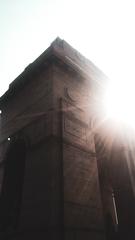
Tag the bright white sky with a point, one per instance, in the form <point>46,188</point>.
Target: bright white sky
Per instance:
<point>102,30</point>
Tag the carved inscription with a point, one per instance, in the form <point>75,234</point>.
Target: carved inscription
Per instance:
<point>76,97</point>
<point>77,112</point>
<point>75,129</point>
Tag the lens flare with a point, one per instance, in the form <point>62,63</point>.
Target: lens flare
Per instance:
<point>119,103</point>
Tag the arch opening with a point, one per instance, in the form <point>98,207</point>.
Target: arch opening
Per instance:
<point>12,185</point>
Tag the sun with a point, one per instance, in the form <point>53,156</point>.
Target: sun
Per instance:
<point>119,103</point>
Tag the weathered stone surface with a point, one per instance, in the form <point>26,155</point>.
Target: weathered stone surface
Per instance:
<point>50,110</point>
<point>81,189</point>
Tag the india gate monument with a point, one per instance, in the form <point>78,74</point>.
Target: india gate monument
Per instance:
<point>64,173</point>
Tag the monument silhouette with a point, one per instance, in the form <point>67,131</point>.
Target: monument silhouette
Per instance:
<point>62,175</point>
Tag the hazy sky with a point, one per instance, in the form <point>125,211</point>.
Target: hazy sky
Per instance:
<point>102,30</point>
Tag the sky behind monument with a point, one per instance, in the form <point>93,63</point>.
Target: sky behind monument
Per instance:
<point>102,30</point>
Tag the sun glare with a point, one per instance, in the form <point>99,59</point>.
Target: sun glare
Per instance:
<point>119,103</point>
